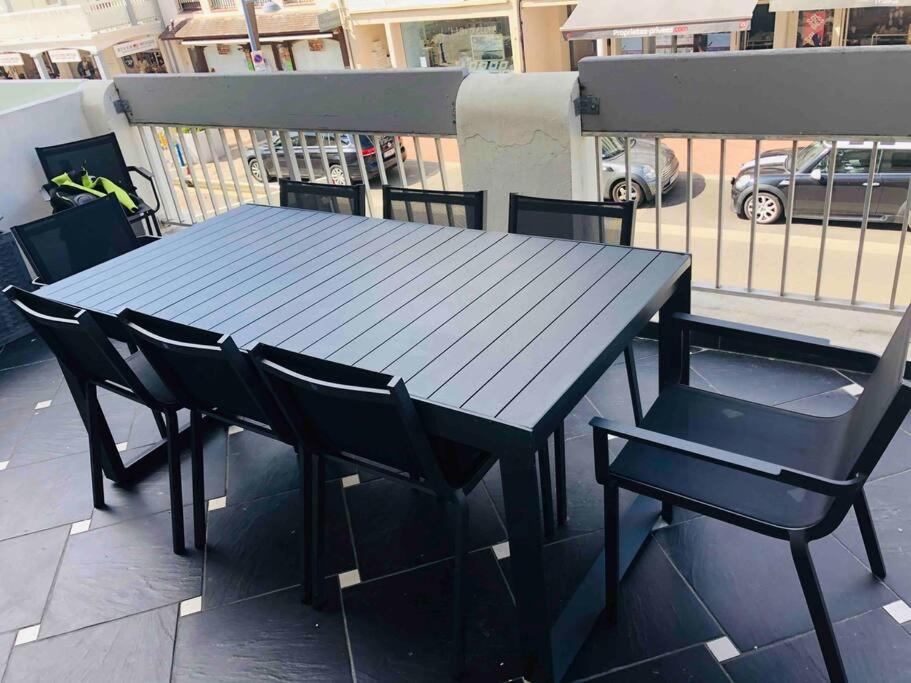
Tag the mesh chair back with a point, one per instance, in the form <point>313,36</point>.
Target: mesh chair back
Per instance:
<point>71,241</point>
<point>879,392</point>
<point>604,222</point>
<point>436,207</point>
<point>206,371</point>
<point>338,408</point>
<point>100,156</point>
<point>348,199</point>
<point>79,339</point>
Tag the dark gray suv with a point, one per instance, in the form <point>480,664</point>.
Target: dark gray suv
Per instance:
<point>852,169</point>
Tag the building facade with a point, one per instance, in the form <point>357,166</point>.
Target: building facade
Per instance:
<point>93,39</point>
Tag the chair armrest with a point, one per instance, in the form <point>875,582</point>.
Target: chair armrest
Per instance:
<point>147,239</point>
<point>718,456</point>
<point>815,350</point>
<point>145,173</point>
<point>38,283</point>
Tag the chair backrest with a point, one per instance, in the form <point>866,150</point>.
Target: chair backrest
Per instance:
<point>80,339</point>
<point>339,408</point>
<point>207,372</point>
<point>436,207</point>
<point>349,199</point>
<point>100,156</point>
<point>71,241</point>
<point>604,222</point>
<point>862,449</point>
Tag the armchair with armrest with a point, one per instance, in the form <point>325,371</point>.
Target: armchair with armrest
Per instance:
<point>773,471</point>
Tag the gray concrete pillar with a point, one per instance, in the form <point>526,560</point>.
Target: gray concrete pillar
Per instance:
<point>520,133</point>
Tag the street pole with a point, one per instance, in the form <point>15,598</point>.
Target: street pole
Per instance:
<point>256,55</point>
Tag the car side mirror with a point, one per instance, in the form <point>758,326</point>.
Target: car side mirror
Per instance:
<point>816,174</point>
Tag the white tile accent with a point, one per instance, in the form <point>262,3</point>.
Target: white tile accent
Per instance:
<point>611,437</point>
<point>350,481</point>
<point>28,634</point>
<point>853,389</point>
<point>42,404</point>
<point>218,503</point>
<point>501,550</point>
<point>899,610</point>
<point>80,527</point>
<point>191,606</point>
<point>234,429</point>
<point>659,524</point>
<point>121,447</point>
<point>348,579</point>
<point>3,464</point>
<point>722,649</point>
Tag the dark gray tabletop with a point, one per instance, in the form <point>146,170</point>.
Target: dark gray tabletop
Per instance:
<point>494,327</point>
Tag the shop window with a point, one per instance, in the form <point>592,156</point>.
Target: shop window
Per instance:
<point>814,28</point>
<point>879,26</point>
<point>762,30</point>
<point>473,44</point>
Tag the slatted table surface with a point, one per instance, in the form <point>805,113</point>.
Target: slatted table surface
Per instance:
<point>485,322</point>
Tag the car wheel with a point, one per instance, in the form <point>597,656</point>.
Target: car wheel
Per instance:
<point>255,170</point>
<point>768,208</point>
<point>618,192</point>
<point>337,175</point>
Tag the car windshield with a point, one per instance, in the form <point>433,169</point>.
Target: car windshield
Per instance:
<point>808,153</point>
<point>612,146</point>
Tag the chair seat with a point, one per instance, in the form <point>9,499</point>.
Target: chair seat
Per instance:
<point>775,435</point>
<point>150,379</point>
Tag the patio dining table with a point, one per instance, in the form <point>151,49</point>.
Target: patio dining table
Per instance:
<point>497,336</point>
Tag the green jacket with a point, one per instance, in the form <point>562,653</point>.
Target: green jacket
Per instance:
<point>100,187</point>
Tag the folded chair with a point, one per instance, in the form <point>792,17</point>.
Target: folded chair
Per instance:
<point>81,341</point>
<point>779,473</point>
<point>209,375</point>
<point>604,222</point>
<point>368,418</point>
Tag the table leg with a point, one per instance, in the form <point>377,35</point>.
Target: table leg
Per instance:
<point>673,340</point>
<point>523,521</point>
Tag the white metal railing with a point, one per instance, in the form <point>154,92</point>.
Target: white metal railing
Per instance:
<point>832,262</point>
<point>210,170</point>
<point>107,14</point>
<point>49,24</point>
<point>145,10</point>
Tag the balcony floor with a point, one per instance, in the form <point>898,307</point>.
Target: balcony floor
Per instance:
<point>113,603</point>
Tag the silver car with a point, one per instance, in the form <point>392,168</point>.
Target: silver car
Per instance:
<point>642,169</point>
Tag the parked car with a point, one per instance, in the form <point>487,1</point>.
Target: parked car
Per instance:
<point>336,173</point>
<point>642,169</point>
<point>852,170</point>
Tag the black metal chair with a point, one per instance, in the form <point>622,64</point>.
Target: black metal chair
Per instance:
<point>101,156</point>
<point>209,375</point>
<point>71,241</point>
<point>780,473</point>
<point>348,199</point>
<point>435,207</point>
<point>81,341</point>
<point>368,418</point>
<point>603,222</point>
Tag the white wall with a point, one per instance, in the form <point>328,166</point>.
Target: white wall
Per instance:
<point>329,58</point>
<point>233,63</point>
<point>50,121</point>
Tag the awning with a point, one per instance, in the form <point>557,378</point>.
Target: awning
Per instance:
<point>210,27</point>
<point>797,5</point>
<point>610,19</point>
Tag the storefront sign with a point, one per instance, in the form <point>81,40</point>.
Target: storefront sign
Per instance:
<point>316,45</point>
<point>133,46</point>
<point>66,55</point>
<point>11,59</point>
<point>813,31</point>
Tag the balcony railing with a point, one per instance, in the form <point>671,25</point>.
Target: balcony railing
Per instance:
<point>706,107</point>
<point>59,22</point>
